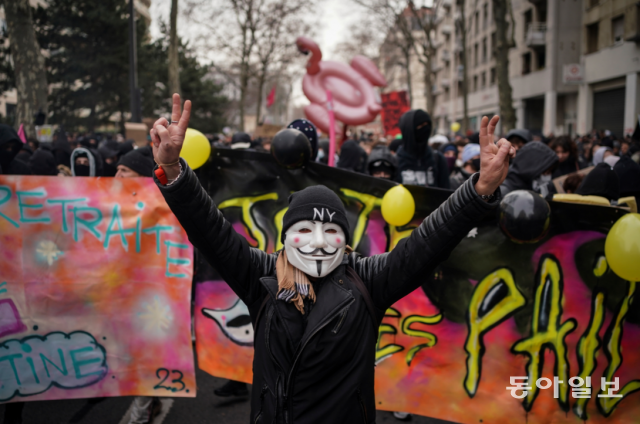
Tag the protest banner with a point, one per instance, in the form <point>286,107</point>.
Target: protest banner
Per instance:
<point>496,309</point>
<point>95,290</point>
<point>394,105</point>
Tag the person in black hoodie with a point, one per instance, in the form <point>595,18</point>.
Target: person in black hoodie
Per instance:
<point>381,163</point>
<point>10,146</point>
<point>62,148</point>
<point>418,164</point>
<point>531,169</point>
<point>315,306</point>
<point>42,161</point>
<point>601,181</point>
<point>352,156</point>
<point>628,173</point>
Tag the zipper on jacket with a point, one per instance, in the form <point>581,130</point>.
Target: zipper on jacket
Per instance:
<point>295,362</point>
<point>264,390</point>
<point>364,409</point>
<point>343,315</point>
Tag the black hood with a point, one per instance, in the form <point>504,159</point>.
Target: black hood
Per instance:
<point>42,162</point>
<point>10,145</point>
<point>530,162</point>
<point>407,125</point>
<point>601,181</point>
<point>352,156</point>
<point>381,153</point>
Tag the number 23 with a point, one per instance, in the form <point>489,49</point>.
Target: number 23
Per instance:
<point>166,372</point>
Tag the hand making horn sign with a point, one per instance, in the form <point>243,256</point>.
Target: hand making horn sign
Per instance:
<point>494,158</point>
<point>167,140</point>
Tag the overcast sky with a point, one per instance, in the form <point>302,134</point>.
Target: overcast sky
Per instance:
<point>333,22</point>
<point>332,25</point>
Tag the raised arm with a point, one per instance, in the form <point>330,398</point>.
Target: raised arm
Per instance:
<point>393,275</point>
<point>239,264</point>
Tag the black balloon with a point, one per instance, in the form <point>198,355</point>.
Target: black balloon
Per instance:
<point>291,148</point>
<point>524,216</point>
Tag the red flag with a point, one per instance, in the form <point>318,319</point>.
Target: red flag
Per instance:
<point>271,98</point>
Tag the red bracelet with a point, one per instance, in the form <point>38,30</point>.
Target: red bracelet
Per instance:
<point>162,177</point>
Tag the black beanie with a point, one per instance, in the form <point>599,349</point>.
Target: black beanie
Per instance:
<point>139,160</point>
<point>315,203</point>
<point>601,181</point>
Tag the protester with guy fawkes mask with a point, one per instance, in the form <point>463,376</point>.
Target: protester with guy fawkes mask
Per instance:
<point>316,306</point>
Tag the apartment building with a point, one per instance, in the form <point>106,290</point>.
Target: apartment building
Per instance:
<point>609,91</point>
<point>547,39</point>
<point>575,65</point>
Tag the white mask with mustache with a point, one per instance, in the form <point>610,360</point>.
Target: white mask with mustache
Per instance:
<point>315,248</point>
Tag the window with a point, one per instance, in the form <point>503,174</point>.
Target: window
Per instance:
<point>483,79</point>
<point>526,63</point>
<point>592,38</point>
<point>475,55</point>
<point>484,50</point>
<point>493,43</point>
<point>617,29</point>
<point>542,59</point>
<point>485,16</point>
<point>475,83</point>
<point>492,78</point>
<point>477,22</point>
<point>459,89</point>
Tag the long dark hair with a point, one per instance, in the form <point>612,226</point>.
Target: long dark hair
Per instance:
<point>567,144</point>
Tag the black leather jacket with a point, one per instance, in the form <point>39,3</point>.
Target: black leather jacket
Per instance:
<point>328,376</point>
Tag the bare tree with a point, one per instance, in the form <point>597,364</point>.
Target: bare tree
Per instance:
<point>174,67</point>
<point>393,18</point>
<point>28,62</point>
<point>363,39</point>
<point>504,41</point>
<point>426,19</point>
<point>274,40</point>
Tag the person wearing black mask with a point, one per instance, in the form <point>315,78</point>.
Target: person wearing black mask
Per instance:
<point>110,154</point>
<point>352,156</point>
<point>86,163</point>
<point>417,163</point>
<point>10,146</point>
<point>381,163</point>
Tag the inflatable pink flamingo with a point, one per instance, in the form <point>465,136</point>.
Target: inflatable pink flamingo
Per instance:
<point>355,102</point>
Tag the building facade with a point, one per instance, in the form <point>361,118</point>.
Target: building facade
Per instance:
<point>574,66</point>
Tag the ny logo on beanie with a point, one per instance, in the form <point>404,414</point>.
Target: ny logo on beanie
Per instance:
<point>320,214</point>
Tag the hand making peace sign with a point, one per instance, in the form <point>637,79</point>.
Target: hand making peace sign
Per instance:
<point>494,158</point>
<point>167,139</point>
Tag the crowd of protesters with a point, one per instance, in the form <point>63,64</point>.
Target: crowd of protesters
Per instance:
<point>597,164</point>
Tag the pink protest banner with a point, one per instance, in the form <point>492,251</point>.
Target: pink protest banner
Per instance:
<point>95,290</point>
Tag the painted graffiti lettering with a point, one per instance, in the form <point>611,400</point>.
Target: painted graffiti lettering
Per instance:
<point>547,331</point>
<point>34,364</point>
<point>612,351</point>
<point>383,352</point>
<point>40,193</point>
<point>494,299</point>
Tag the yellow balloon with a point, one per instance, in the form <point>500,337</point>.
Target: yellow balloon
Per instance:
<point>195,149</point>
<point>455,126</point>
<point>622,247</point>
<point>398,206</point>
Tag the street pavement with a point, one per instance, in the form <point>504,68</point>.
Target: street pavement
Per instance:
<point>205,408</point>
